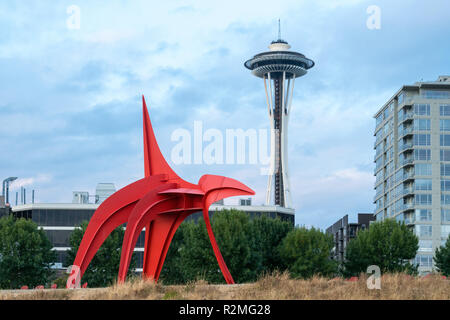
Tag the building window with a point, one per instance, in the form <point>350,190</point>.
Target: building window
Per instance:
<point>379,119</point>
<point>445,169</point>
<point>423,169</point>
<point>445,185</point>
<point>445,199</point>
<point>423,184</point>
<point>423,214</point>
<point>445,215</point>
<point>422,109</point>
<point>422,124</point>
<point>399,218</point>
<point>444,109</point>
<point>425,245</point>
<point>423,140</point>
<point>422,154</point>
<point>423,199</point>
<point>435,94</point>
<point>386,113</point>
<point>424,260</point>
<point>423,230</point>
<point>445,231</point>
<point>444,125</point>
<point>445,155</point>
<point>445,140</point>
<point>379,203</point>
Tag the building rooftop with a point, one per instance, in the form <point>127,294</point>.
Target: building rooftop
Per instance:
<point>442,82</point>
<point>92,206</point>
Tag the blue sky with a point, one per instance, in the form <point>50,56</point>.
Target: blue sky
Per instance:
<point>70,110</point>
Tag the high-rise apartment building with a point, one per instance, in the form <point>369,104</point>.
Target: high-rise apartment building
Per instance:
<point>412,163</point>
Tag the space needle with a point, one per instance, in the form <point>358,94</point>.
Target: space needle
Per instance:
<point>279,67</point>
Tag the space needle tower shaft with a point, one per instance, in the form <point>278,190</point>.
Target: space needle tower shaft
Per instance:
<point>279,68</point>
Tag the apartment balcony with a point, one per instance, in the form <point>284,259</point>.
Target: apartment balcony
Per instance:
<point>406,117</point>
<point>408,176</point>
<point>379,139</point>
<point>408,192</point>
<point>406,162</point>
<point>407,102</point>
<point>379,167</point>
<point>407,206</point>
<point>410,220</point>
<point>406,147</point>
<point>378,182</point>
<point>405,132</point>
<point>377,156</point>
<point>378,195</point>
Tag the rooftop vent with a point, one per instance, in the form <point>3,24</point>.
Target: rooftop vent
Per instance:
<point>103,191</point>
<point>444,79</point>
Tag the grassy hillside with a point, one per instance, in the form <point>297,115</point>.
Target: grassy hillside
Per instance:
<point>278,286</point>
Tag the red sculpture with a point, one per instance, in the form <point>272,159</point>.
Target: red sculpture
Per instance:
<point>159,202</point>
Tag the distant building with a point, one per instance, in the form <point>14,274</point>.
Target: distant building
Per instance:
<point>103,191</point>
<point>343,232</point>
<point>412,163</point>
<point>80,197</point>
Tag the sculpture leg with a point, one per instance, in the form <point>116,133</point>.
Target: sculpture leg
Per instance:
<point>112,213</point>
<point>174,228</point>
<point>96,233</point>
<point>222,265</point>
<point>156,245</point>
<point>145,213</point>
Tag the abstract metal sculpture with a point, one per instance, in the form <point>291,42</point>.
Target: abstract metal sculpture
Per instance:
<point>159,202</point>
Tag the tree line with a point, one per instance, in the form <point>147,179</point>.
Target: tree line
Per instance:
<point>250,247</point>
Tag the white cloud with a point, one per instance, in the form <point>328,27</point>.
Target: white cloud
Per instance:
<point>24,182</point>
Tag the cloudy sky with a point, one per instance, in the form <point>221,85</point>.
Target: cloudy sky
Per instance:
<point>70,109</point>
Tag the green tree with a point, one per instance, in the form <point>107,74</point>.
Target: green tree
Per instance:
<point>196,255</point>
<point>26,254</point>
<point>231,229</point>
<point>388,244</point>
<point>172,271</point>
<point>442,258</point>
<point>248,246</point>
<point>267,235</point>
<point>306,252</point>
<point>235,238</point>
<point>104,267</point>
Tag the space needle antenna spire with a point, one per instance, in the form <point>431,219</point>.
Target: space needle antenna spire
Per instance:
<point>279,30</point>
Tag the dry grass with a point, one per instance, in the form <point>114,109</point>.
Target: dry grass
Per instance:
<point>276,286</point>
